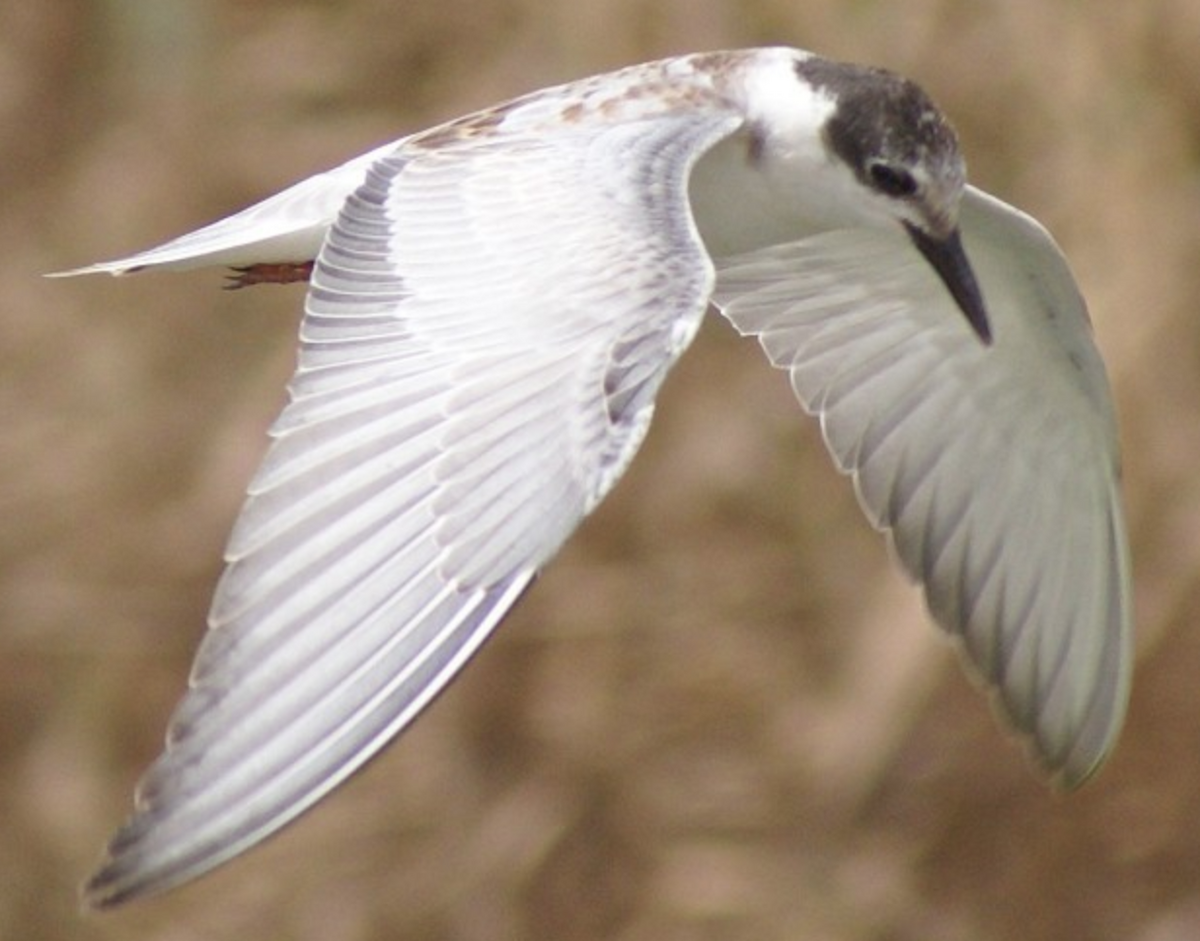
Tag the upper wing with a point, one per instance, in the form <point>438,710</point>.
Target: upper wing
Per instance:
<point>995,469</point>
<point>487,326</point>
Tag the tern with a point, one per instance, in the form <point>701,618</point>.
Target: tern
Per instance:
<point>492,306</point>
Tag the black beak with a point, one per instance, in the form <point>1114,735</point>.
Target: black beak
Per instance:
<point>949,260</point>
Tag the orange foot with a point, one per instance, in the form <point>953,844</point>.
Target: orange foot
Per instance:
<point>283,273</point>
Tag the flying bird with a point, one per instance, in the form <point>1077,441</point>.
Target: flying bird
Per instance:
<point>492,306</point>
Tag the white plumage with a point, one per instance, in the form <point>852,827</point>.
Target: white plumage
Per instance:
<point>493,307</point>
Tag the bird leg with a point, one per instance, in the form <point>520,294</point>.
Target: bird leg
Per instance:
<point>282,273</point>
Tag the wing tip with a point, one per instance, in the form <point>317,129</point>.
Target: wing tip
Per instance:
<point>1081,758</point>
<point>114,882</point>
<point>1068,757</point>
<point>102,890</point>
<point>133,869</point>
<point>1069,774</point>
<point>1064,756</point>
<point>123,874</point>
<point>112,886</point>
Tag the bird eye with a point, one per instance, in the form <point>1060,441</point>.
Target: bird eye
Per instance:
<point>892,180</point>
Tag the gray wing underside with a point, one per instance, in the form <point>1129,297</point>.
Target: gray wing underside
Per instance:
<point>484,335</point>
<point>994,469</point>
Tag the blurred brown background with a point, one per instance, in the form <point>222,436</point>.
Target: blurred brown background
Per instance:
<point>720,715</point>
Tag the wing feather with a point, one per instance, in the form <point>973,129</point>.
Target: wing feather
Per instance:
<point>484,335</point>
<point>994,469</point>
